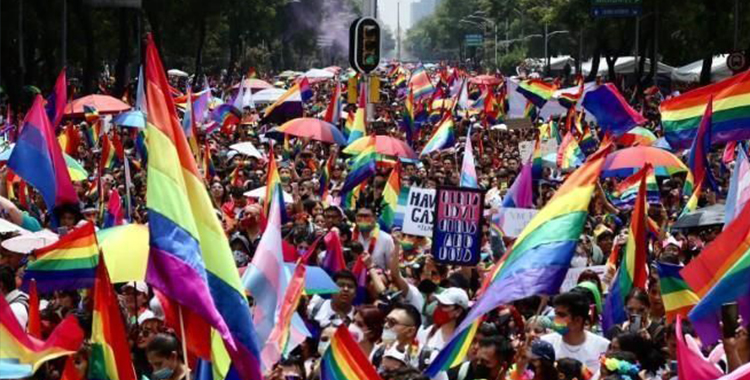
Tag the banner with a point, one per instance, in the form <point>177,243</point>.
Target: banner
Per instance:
<point>457,232</point>
<point>571,278</point>
<point>419,212</point>
<point>512,221</point>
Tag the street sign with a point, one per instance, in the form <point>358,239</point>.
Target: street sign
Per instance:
<point>616,8</point>
<point>473,39</point>
<point>737,61</point>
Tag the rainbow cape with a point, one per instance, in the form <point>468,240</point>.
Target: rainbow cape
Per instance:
<point>569,154</point>
<point>681,115</point>
<point>633,271</point>
<point>21,354</point>
<point>443,137</point>
<point>110,353</point>
<point>678,298</point>
<point>68,264</point>
<point>390,199</point>
<point>190,260</point>
<point>344,360</point>
<point>536,91</point>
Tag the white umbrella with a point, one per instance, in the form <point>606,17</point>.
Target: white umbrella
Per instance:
<point>319,74</point>
<point>247,149</point>
<point>6,226</point>
<point>177,73</point>
<point>27,243</point>
<point>268,95</point>
<point>261,192</point>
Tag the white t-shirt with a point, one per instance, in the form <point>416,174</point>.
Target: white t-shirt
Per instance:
<point>587,353</point>
<point>19,309</point>
<point>324,314</point>
<point>382,250</point>
<point>414,297</point>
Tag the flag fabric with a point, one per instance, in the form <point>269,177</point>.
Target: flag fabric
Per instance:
<point>700,169</point>
<point>286,107</point>
<point>140,93</point>
<point>632,272</point>
<point>209,170</point>
<point>305,91</point>
<point>333,111</point>
<point>678,298</point>
<point>569,154</point>
<point>358,128</point>
<point>530,111</point>
<point>38,159</point>
<point>540,257</point>
<point>692,365</point>
<point>112,152</point>
<point>325,176</point>
<point>536,91</point>
<point>468,170</point>
<point>520,193</point>
<point>91,133</point>
<point>536,160</point>
<point>612,111</point>
<point>409,123</point>
<point>273,187</point>
<point>21,354</point>
<point>389,201</point>
<point>361,167</point>
<point>420,83</point>
<point>190,260</point>
<point>588,141</point>
<point>344,360</point>
<point>56,101</point>
<point>90,114</point>
<point>278,340</point>
<point>114,215</point>
<point>570,100</point>
<point>626,192</point>
<point>681,115</point>
<point>334,261</point>
<point>739,187</point>
<point>34,324</point>
<point>110,352</point>
<point>226,115</point>
<point>443,137</point>
<point>68,264</point>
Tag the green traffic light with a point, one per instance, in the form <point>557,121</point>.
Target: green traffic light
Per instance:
<point>370,60</point>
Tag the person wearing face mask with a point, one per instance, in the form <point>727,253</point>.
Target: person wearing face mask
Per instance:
<point>571,339</point>
<point>536,362</point>
<point>400,329</point>
<point>163,353</point>
<point>377,243</point>
<point>491,362</point>
<point>367,327</point>
<point>452,304</point>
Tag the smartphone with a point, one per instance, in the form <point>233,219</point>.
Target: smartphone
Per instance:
<point>635,323</point>
<point>673,366</point>
<point>729,314</point>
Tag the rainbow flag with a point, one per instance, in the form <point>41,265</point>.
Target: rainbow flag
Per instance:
<point>536,91</point>
<point>349,200</point>
<point>333,111</point>
<point>612,111</point>
<point>68,264</point>
<point>325,176</point>
<point>678,298</point>
<point>420,83</point>
<point>536,160</point>
<point>361,167</point>
<point>279,339</point>
<point>408,123</point>
<point>114,215</point>
<point>454,353</point>
<point>569,154</point>
<point>633,272</point>
<point>700,170</point>
<point>21,354</point>
<point>38,159</point>
<point>389,201</point>
<point>56,101</point>
<point>112,152</point>
<point>344,360</point>
<point>443,137</point>
<point>530,111</point>
<point>110,353</point>
<point>626,192</point>
<point>570,100</point>
<point>226,115</point>
<point>209,170</point>
<point>90,114</point>
<point>273,187</point>
<point>186,237</point>
<point>286,107</point>
<point>468,170</point>
<point>358,128</point>
<point>681,115</point>
<point>588,141</point>
<point>540,257</point>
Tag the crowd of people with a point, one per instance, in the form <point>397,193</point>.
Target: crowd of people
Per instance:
<point>411,305</point>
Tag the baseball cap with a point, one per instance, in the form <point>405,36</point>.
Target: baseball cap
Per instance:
<point>395,353</point>
<point>453,296</point>
<point>139,286</point>
<point>671,241</point>
<point>541,349</point>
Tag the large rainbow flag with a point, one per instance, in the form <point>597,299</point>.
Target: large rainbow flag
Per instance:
<point>537,91</point>
<point>190,260</point>
<point>681,115</point>
<point>110,352</point>
<point>678,298</point>
<point>632,272</point>
<point>443,137</point>
<point>344,360</point>
<point>21,354</point>
<point>68,264</point>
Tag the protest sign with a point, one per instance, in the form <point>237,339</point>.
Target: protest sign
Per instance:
<point>419,212</point>
<point>512,221</point>
<point>525,150</point>
<point>457,232</point>
<point>571,278</point>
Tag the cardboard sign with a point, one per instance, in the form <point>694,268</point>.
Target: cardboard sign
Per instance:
<point>525,150</point>
<point>512,221</point>
<point>571,279</point>
<point>457,232</point>
<point>419,212</point>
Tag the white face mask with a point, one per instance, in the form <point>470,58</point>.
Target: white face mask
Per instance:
<point>579,261</point>
<point>323,347</point>
<point>388,335</point>
<point>357,333</point>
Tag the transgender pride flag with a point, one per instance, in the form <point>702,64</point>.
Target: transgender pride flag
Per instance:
<point>739,187</point>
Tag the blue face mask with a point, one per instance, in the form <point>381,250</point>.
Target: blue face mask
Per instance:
<point>162,374</point>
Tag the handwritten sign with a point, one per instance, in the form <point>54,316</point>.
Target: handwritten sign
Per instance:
<point>419,212</point>
<point>457,232</point>
<point>512,221</point>
<point>571,278</point>
<point>525,150</point>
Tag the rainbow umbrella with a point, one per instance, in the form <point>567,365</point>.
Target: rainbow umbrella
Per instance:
<point>77,172</point>
<point>312,128</point>
<point>132,119</point>
<point>385,145</point>
<point>625,162</point>
<point>125,250</point>
<point>637,136</point>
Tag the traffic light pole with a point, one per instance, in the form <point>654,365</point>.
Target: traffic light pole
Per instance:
<point>369,11</point>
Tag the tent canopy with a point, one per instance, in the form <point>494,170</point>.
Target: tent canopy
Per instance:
<point>624,65</point>
<point>692,72</point>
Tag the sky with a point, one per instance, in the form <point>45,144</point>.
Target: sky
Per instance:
<point>388,14</point>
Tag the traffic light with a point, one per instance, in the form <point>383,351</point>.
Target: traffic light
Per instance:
<point>364,44</point>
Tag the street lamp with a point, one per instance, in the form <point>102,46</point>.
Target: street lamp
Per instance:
<point>547,36</point>
<point>478,15</point>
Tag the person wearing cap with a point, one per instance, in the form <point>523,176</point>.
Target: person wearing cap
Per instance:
<point>452,304</point>
<point>394,359</point>
<point>400,329</point>
<point>136,299</point>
